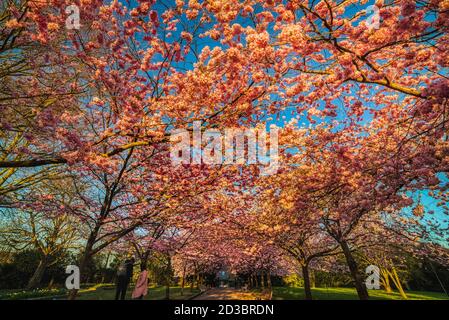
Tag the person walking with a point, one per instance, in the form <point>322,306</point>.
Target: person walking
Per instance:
<point>141,289</point>
<point>124,275</point>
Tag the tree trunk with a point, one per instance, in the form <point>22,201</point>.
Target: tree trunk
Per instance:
<point>197,281</point>
<point>51,283</point>
<point>84,261</point>
<point>262,281</point>
<point>103,276</point>
<point>312,278</point>
<point>397,283</point>
<point>359,285</point>
<point>438,278</point>
<point>167,279</point>
<point>167,291</point>
<point>36,279</point>
<point>269,280</point>
<point>386,280</point>
<point>305,275</point>
<point>183,280</point>
<point>270,288</point>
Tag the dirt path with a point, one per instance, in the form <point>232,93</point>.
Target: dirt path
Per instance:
<point>226,294</point>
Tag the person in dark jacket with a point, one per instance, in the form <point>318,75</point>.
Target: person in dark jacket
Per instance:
<point>124,276</point>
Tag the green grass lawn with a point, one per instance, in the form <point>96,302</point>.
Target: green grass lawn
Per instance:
<point>154,293</point>
<point>20,294</point>
<point>107,292</point>
<point>291,293</point>
<point>95,292</point>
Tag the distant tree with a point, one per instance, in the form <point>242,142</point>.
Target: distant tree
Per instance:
<point>40,224</point>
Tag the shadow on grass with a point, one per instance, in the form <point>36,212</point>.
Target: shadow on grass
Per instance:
<point>154,293</point>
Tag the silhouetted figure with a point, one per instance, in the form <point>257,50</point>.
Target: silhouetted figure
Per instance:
<point>124,275</point>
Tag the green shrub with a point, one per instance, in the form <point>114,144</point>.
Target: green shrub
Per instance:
<point>293,280</point>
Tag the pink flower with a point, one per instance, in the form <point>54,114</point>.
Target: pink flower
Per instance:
<point>192,14</point>
<point>13,24</point>
<point>408,8</point>
<point>154,17</point>
<point>186,36</point>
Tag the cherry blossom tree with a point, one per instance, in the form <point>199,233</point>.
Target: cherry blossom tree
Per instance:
<point>99,103</point>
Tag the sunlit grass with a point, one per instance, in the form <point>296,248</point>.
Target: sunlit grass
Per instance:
<point>95,292</point>
<point>154,293</point>
<point>292,293</point>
